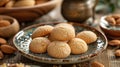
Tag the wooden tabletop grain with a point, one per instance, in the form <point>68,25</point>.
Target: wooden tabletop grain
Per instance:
<point>107,57</point>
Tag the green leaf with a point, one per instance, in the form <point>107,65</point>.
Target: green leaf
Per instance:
<point>111,7</point>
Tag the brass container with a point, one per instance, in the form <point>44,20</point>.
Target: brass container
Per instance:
<point>78,10</point>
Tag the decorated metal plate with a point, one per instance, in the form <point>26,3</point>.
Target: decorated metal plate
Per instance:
<point>23,38</point>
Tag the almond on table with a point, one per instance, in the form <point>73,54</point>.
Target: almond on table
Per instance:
<point>96,64</point>
<point>117,52</point>
<point>7,49</point>
<point>114,42</point>
<point>3,41</point>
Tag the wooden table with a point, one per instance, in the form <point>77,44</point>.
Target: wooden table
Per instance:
<point>107,57</point>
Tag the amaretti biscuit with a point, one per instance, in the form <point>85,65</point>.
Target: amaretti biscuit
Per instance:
<point>42,31</point>
<point>58,49</point>
<point>62,33</point>
<point>64,24</point>
<point>39,45</point>
<point>78,46</point>
<point>87,36</point>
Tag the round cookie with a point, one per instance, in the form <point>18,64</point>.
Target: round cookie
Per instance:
<point>87,36</point>
<point>42,31</point>
<point>58,49</point>
<point>62,33</point>
<point>78,46</point>
<point>64,24</point>
<point>39,45</point>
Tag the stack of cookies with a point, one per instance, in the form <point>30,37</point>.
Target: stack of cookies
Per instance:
<point>61,40</point>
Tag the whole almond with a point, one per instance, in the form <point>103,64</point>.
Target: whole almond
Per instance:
<point>7,49</point>
<point>114,42</point>
<point>116,16</point>
<point>1,55</point>
<point>96,64</point>
<point>3,41</point>
<point>117,52</point>
<point>4,23</point>
<point>110,20</point>
<point>118,21</point>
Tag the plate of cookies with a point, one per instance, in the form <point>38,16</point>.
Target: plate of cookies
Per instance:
<point>60,43</point>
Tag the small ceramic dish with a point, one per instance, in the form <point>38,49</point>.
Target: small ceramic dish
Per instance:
<point>10,30</point>
<point>111,31</point>
<point>23,38</point>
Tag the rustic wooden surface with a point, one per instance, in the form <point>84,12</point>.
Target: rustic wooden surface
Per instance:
<point>107,57</point>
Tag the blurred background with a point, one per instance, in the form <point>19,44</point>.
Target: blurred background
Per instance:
<point>107,6</point>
